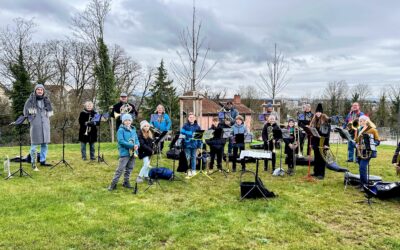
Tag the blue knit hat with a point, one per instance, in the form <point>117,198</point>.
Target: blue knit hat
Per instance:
<point>125,117</point>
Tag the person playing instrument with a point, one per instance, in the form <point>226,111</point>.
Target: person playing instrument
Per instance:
<point>321,122</point>
<point>270,111</point>
<point>127,141</point>
<point>366,142</point>
<point>190,144</point>
<point>239,133</point>
<point>291,145</point>
<point>217,144</point>
<point>161,121</point>
<point>146,150</point>
<point>303,119</point>
<point>229,119</point>
<point>270,134</point>
<point>38,109</point>
<point>353,115</point>
<point>396,159</point>
<point>87,130</point>
<point>123,107</point>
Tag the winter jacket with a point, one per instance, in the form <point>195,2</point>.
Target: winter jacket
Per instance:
<point>38,112</point>
<point>146,146</point>
<point>127,139</point>
<point>188,130</point>
<point>290,140</point>
<point>85,121</point>
<point>239,129</point>
<point>268,140</point>
<point>217,141</point>
<point>396,154</point>
<point>161,122</point>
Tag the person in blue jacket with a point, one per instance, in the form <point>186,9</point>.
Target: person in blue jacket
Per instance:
<point>353,115</point>
<point>127,141</point>
<point>161,121</point>
<point>190,145</point>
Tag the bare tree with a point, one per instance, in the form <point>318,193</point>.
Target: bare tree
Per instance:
<point>89,25</point>
<point>146,82</point>
<point>274,80</point>
<point>394,96</point>
<point>335,95</point>
<point>40,62</point>
<point>193,67</point>
<point>12,41</point>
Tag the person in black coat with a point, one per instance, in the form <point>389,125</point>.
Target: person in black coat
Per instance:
<point>270,134</point>
<point>290,147</point>
<point>395,159</point>
<point>87,130</point>
<point>217,144</point>
<point>145,150</point>
<point>123,106</point>
<point>321,122</point>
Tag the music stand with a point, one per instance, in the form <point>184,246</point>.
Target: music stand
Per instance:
<point>63,147</point>
<point>98,118</point>
<point>311,132</point>
<point>173,177</point>
<point>19,124</point>
<point>156,145</point>
<point>345,135</point>
<point>227,134</point>
<point>222,170</point>
<point>199,136</point>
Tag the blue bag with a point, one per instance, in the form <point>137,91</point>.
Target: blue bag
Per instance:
<point>160,173</point>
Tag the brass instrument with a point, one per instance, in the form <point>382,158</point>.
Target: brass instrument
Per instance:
<point>353,126</point>
<point>270,134</point>
<point>88,128</point>
<point>135,153</point>
<point>125,109</point>
<point>362,151</point>
<point>326,152</point>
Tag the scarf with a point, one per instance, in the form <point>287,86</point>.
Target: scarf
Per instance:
<point>32,104</point>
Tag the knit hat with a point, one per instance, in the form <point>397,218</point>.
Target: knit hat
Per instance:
<point>319,108</point>
<point>126,117</point>
<point>123,94</point>
<point>144,123</point>
<point>290,120</point>
<point>239,117</point>
<point>269,105</point>
<point>39,85</point>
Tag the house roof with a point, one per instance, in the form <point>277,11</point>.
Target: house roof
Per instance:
<point>241,108</point>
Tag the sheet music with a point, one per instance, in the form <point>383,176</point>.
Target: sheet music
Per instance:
<point>258,154</point>
<point>208,134</point>
<point>227,133</point>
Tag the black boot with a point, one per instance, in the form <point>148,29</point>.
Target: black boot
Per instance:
<point>112,187</point>
<point>126,184</point>
<point>43,163</point>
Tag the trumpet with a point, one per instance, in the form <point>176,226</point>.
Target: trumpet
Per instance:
<point>125,109</point>
<point>88,128</point>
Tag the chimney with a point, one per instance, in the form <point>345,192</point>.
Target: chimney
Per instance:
<point>236,99</point>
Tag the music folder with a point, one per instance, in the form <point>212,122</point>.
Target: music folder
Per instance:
<point>239,138</point>
<point>198,135</point>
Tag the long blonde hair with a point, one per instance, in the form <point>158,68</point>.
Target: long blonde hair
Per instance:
<point>317,122</point>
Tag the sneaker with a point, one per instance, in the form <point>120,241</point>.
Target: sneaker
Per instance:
<point>35,169</point>
<point>189,173</point>
<point>139,179</point>
<point>84,159</point>
<point>194,172</point>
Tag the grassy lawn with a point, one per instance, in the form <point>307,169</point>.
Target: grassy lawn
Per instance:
<point>64,209</point>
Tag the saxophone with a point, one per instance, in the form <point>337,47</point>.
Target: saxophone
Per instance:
<point>363,143</point>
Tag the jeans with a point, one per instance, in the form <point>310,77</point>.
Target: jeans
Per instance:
<point>363,167</point>
<point>191,154</point>
<point>83,150</point>
<point>144,172</point>
<point>125,166</point>
<point>43,152</point>
<point>350,151</point>
<point>230,147</point>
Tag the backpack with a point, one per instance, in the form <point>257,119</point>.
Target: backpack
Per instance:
<point>160,173</point>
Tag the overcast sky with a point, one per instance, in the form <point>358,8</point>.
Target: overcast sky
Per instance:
<point>323,41</point>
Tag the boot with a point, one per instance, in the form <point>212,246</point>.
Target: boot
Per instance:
<point>126,184</point>
<point>112,187</point>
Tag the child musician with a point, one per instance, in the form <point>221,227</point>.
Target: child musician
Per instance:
<point>217,144</point>
<point>87,130</point>
<point>127,140</point>
<point>290,146</point>
<point>145,150</point>
<point>396,159</point>
<point>239,133</point>
<point>191,145</point>
<point>270,134</point>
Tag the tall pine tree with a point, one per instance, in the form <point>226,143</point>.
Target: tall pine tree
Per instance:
<point>163,92</point>
<point>22,86</point>
<point>105,77</point>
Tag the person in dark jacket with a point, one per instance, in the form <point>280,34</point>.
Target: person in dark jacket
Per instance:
<point>190,144</point>
<point>87,130</point>
<point>38,109</point>
<point>145,150</point>
<point>123,107</point>
<point>321,122</point>
<point>290,146</point>
<point>217,144</point>
<point>271,133</point>
<point>303,119</point>
<point>395,159</point>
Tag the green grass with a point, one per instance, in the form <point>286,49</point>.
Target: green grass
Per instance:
<point>63,209</point>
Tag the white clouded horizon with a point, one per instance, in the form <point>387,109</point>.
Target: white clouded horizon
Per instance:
<point>323,41</point>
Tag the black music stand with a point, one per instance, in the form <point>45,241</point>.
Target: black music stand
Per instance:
<point>310,132</point>
<point>97,118</point>
<point>345,135</point>
<point>63,147</point>
<point>174,178</point>
<point>156,145</point>
<point>257,182</point>
<point>19,124</point>
<point>222,170</point>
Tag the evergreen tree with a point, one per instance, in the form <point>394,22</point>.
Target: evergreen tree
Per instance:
<point>163,92</point>
<point>105,77</point>
<point>381,115</point>
<point>22,86</point>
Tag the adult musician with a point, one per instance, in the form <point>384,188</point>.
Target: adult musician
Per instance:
<point>366,141</point>
<point>321,122</point>
<point>395,160</point>
<point>354,114</point>
<point>270,111</point>
<point>229,119</point>
<point>38,109</point>
<point>123,107</point>
<point>303,119</point>
<point>161,121</point>
<point>270,134</point>
<point>87,130</point>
